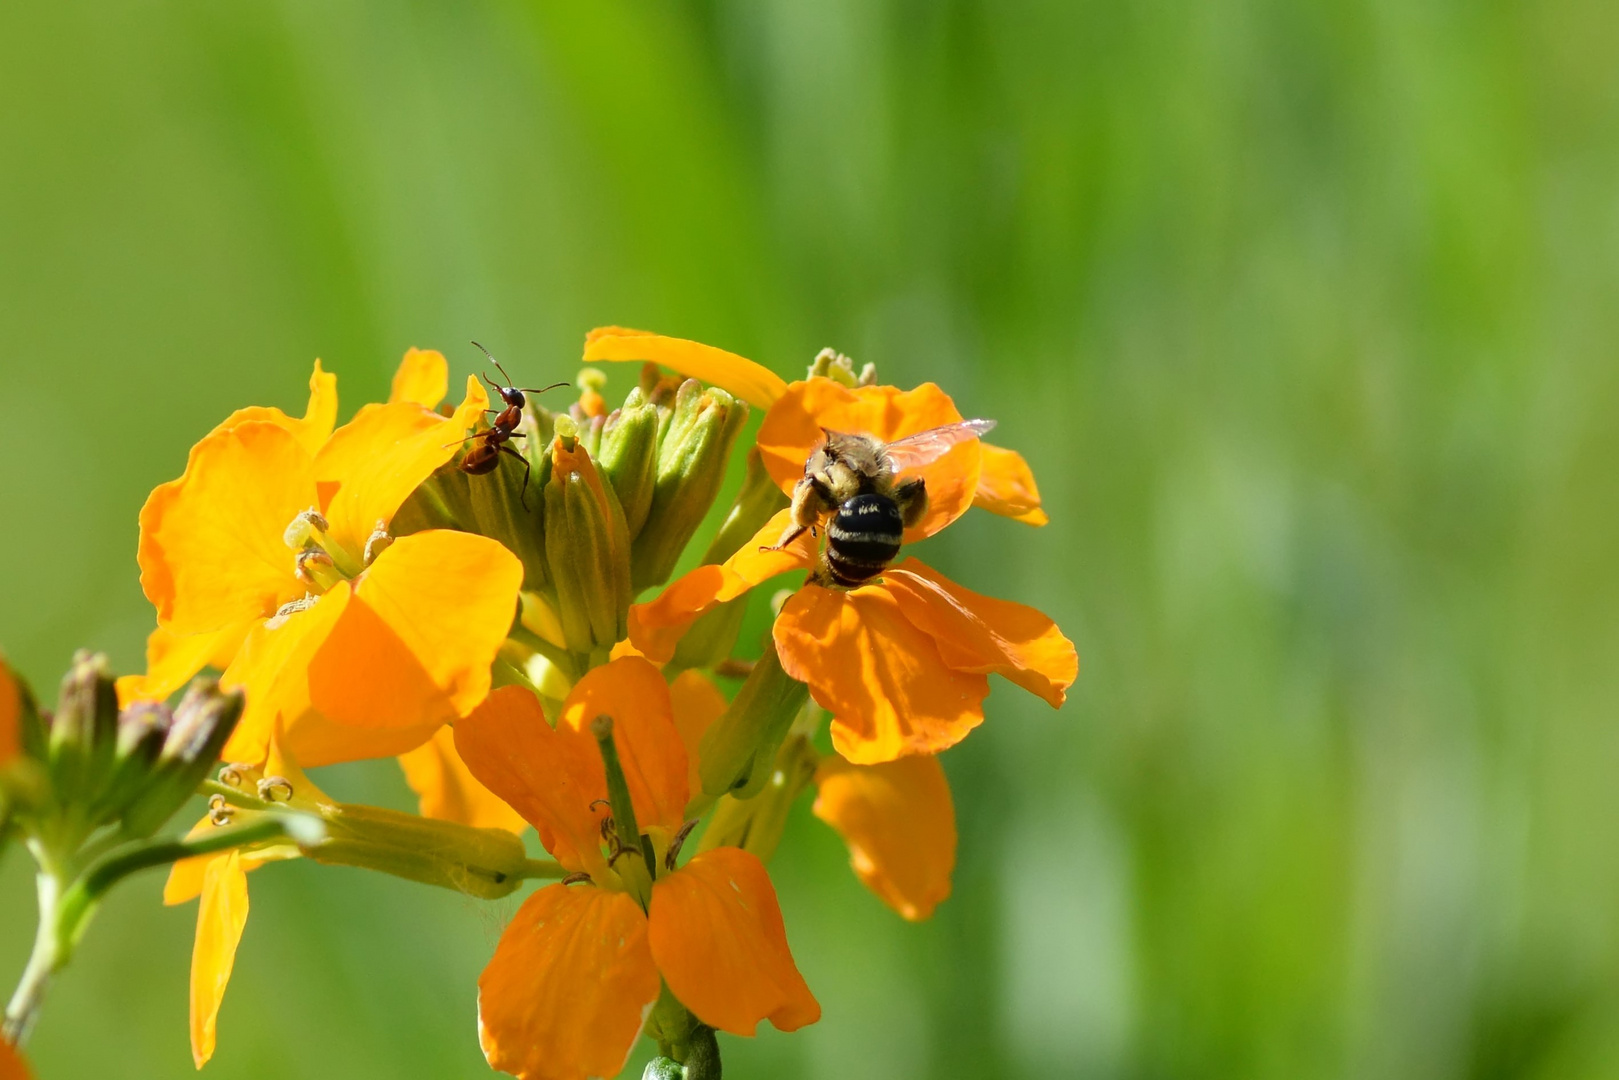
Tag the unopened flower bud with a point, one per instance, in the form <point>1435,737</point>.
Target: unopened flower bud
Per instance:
<point>756,825</point>
<point>629,457</point>
<point>587,549</point>
<point>203,722</point>
<point>84,730</point>
<point>739,749</point>
<point>691,466</point>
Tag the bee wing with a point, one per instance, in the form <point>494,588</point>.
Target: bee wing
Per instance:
<point>914,451</point>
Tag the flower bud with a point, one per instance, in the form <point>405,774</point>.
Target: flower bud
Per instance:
<point>738,751</point>
<point>142,730</point>
<point>587,549</point>
<point>629,457</point>
<point>84,730</point>
<point>202,723</point>
<point>485,863</point>
<point>756,825</point>
<point>696,441</point>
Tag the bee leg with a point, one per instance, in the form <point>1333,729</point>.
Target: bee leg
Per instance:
<point>911,497</point>
<point>793,533</point>
<point>522,492</point>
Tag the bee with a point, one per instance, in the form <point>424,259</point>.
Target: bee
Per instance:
<point>855,478</point>
<point>485,455</point>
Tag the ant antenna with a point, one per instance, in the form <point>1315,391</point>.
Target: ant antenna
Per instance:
<point>495,362</point>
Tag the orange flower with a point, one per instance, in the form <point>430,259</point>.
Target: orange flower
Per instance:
<point>1005,484</point>
<point>270,557</point>
<point>10,715</point>
<point>902,663</point>
<point>221,883</point>
<point>12,1065</point>
<point>578,967</point>
<point>900,824</point>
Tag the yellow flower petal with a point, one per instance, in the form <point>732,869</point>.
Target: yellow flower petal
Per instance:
<point>795,426</point>
<point>211,549</point>
<point>415,646</point>
<point>633,693</point>
<point>900,825</point>
<point>172,659</point>
<point>448,790</point>
<point>889,691</point>
<point>272,668</point>
<point>718,939</point>
<point>751,382</point>
<point>377,459</point>
<point>569,986</point>
<point>220,920</point>
<point>697,703</point>
<point>657,626</point>
<point>982,634</point>
<point>549,775</point>
<point>317,421</point>
<point>1006,486</point>
<point>423,378</point>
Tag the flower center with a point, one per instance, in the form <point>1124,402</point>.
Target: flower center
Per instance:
<point>319,561</point>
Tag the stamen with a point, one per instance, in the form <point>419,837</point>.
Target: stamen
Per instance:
<point>289,609</point>
<point>625,850</point>
<point>377,542</point>
<point>311,564</point>
<point>272,784</point>
<point>675,844</point>
<point>574,879</point>
<point>219,811</point>
<point>234,775</point>
<point>305,529</point>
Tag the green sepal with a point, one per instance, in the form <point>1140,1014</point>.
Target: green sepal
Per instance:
<point>739,749</point>
<point>629,457</point>
<point>587,548</point>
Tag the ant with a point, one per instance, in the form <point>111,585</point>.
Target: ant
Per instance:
<point>483,457</point>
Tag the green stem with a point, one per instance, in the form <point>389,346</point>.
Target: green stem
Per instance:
<point>23,1009</point>
<point>542,870</point>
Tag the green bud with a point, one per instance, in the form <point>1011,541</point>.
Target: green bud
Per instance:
<point>756,825</point>
<point>711,638</point>
<point>738,750</point>
<point>696,441</point>
<point>142,730</point>
<point>202,724</point>
<point>84,730</point>
<point>758,501</point>
<point>587,548</point>
<point>629,457</point>
<point>663,1068</point>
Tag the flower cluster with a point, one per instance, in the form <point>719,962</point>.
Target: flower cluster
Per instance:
<point>513,637</point>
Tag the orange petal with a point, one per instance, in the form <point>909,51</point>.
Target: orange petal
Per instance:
<point>718,938</point>
<point>792,431</point>
<point>211,549</point>
<point>982,634</point>
<point>569,986</point>
<point>272,668</point>
<point>378,458</point>
<point>657,626</point>
<point>751,382</point>
<point>172,659</point>
<point>10,715</point>
<point>448,790</point>
<point>900,825</point>
<point>550,776</point>
<point>889,691</point>
<point>220,919</point>
<point>12,1066</point>
<point>633,693</point>
<point>1006,486</point>
<point>697,703</point>
<point>319,415</point>
<point>423,378</point>
<point>415,646</point>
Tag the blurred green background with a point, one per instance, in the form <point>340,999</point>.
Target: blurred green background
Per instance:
<point>1305,313</point>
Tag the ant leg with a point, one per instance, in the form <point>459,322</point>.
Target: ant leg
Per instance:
<point>522,492</point>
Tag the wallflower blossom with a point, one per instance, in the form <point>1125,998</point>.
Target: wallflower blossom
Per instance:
<point>578,968</point>
<point>902,664</point>
<point>270,558</point>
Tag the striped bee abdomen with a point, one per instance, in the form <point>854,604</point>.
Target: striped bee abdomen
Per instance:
<point>862,539</point>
